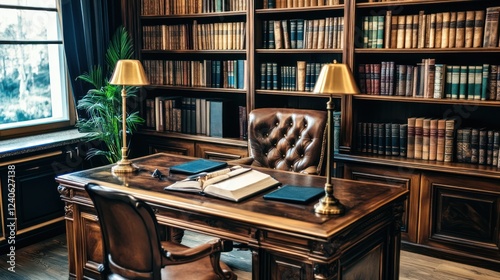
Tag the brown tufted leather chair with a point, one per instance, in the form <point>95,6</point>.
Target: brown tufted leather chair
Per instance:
<point>132,248</point>
<point>286,139</point>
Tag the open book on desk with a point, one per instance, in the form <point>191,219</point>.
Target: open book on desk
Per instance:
<point>234,183</point>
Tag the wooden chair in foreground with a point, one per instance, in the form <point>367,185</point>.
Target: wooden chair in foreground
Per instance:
<point>286,139</point>
<point>133,250</point>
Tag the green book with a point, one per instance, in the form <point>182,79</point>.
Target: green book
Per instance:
<point>484,82</point>
<point>462,84</point>
<point>447,87</point>
<point>471,80</point>
<point>478,77</point>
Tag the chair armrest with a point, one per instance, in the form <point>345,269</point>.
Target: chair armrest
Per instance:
<point>311,170</point>
<point>175,253</point>
<point>241,161</point>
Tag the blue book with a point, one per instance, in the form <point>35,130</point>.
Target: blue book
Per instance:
<point>275,75</point>
<point>241,74</point>
<point>300,34</point>
<point>270,33</point>
<point>223,118</point>
<point>198,166</point>
<point>295,194</point>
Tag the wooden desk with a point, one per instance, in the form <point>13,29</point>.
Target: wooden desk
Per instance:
<point>289,241</point>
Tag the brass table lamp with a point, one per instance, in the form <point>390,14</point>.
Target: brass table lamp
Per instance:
<point>334,78</point>
<point>128,72</point>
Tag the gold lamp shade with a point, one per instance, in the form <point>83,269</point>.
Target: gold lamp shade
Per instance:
<point>129,72</point>
<point>335,78</point>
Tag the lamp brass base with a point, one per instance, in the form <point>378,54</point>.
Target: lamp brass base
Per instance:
<point>124,166</point>
<point>329,205</point>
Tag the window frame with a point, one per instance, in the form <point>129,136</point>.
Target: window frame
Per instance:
<point>54,124</point>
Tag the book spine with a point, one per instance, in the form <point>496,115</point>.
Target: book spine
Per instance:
<point>448,140</point>
<point>411,138</point>
<point>440,140</point>
<point>492,82</point>
<point>439,80</point>
<point>496,146</point>
<point>445,30</point>
<point>491,27</point>
<point>387,29</point>
<point>477,40</point>
<point>453,30</point>
<point>433,134</point>
<point>439,30</point>
<point>400,39</point>
<point>469,28</point>
<point>466,145</point>
<point>408,32</point>
<point>388,138</point>
<point>395,139</point>
<point>403,136</point>
<point>483,139</point>
<point>489,147</point>
<point>460,31</point>
<point>462,81</point>
<point>426,126</point>
<point>474,146</point>
<point>484,82</point>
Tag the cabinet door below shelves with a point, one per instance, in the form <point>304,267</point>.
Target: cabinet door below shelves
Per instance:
<point>404,178</point>
<point>461,214</point>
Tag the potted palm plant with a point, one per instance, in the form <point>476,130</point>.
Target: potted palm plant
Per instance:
<point>103,102</point>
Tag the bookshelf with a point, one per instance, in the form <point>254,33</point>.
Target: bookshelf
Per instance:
<point>452,210</point>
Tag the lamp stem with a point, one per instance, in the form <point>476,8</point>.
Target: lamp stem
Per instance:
<point>124,165</point>
<point>329,204</point>
<point>124,123</point>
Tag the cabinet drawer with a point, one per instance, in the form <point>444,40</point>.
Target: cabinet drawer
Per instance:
<point>220,152</point>
<point>407,180</point>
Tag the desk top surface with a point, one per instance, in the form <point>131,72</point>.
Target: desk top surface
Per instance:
<point>360,198</point>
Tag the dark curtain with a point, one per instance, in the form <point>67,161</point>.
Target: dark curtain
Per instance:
<point>88,26</point>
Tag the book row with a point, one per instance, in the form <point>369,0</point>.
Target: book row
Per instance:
<point>429,79</point>
<point>462,29</point>
<point>301,77</point>
<point>382,138</point>
<point>324,33</point>
<point>182,7</point>
<point>204,73</point>
<point>202,116</point>
<point>270,4</point>
<point>419,138</point>
<point>478,145</point>
<point>431,139</point>
<point>208,36</point>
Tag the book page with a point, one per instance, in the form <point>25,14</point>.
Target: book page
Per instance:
<point>239,187</point>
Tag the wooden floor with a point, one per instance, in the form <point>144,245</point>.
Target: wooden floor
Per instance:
<point>47,260</point>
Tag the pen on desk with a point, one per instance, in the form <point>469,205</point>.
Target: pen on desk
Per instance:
<point>208,175</point>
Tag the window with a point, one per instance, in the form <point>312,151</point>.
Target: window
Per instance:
<point>33,83</point>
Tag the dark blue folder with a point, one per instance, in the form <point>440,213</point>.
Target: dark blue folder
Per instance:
<point>295,194</point>
<point>197,166</point>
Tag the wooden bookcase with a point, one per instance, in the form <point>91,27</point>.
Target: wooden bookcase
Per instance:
<point>453,207</point>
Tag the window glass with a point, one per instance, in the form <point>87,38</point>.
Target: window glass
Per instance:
<point>33,84</point>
